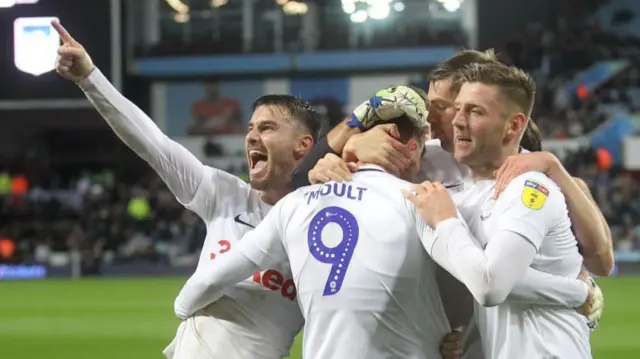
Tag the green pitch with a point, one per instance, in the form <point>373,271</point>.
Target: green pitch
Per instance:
<point>133,319</point>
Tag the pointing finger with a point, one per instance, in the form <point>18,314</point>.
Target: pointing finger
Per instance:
<point>66,51</point>
<point>64,34</point>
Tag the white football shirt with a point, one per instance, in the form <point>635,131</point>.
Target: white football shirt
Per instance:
<point>365,283</point>
<point>534,288</point>
<point>258,318</point>
<point>532,210</point>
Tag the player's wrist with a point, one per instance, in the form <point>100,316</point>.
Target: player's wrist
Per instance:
<point>553,165</point>
<point>444,218</point>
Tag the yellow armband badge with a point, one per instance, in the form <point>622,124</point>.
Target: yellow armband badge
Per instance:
<point>534,195</point>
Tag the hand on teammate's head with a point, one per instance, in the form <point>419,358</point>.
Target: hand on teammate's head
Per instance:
<point>331,168</point>
<point>519,164</point>
<point>379,146</point>
<point>73,61</point>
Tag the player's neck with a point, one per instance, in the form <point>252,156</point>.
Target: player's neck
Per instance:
<point>486,170</point>
<point>483,172</point>
<point>272,196</point>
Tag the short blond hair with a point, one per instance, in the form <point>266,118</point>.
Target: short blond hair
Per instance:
<point>449,68</point>
<point>515,85</point>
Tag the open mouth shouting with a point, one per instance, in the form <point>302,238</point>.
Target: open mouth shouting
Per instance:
<point>463,141</point>
<point>258,162</point>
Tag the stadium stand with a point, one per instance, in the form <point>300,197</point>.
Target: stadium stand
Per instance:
<point>96,214</point>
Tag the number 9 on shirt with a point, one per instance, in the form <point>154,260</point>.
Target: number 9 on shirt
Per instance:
<point>339,256</point>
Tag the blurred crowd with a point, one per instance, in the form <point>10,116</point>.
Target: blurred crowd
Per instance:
<point>101,219</point>
<point>105,220</point>
<point>557,53</point>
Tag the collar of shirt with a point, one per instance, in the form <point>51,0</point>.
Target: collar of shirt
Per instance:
<point>370,167</point>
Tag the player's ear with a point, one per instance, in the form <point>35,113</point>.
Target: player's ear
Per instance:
<point>516,126</point>
<point>303,145</point>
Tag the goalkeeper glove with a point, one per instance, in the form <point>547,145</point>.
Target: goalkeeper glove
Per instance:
<point>598,305</point>
<point>390,103</point>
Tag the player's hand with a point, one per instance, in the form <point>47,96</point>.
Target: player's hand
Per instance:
<point>388,104</point>
<point>73,62</point>
<point>433,202</point>
<point>331,168</point>
<point>450,347</point>
<point>379,146</point>
<point>594,305</point>
<point>519,164</point>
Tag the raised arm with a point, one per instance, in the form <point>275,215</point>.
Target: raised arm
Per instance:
<point>178,168</point>
<point>591,229</point>
<point>257,250</point>
<point>596,247</point>
<point>333,143</point>
<point>182,172</point>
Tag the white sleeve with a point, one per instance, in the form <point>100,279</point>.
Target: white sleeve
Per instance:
<point>540,288</point>
<point>534,287</point>
<point>490,275</point>
<point>529,206</point>
<point>257,250</point>
<point>264,245</point>
<point>179,169</point>
<point>208,282</point>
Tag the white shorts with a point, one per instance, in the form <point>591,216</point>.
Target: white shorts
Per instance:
<point>203,337</point>
<point>207,337</point>
<point>187,343</point>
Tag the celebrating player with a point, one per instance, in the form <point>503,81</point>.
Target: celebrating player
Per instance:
<point>527,226</point>
<point>365,291</point>
<point>258,318</point>
<point>380,147</point>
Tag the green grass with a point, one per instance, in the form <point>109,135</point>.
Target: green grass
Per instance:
<point>132,319</point>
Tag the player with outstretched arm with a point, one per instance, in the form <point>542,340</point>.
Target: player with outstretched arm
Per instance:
<point>258,318</point>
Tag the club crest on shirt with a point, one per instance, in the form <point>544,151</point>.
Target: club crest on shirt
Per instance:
<point>534,195</point>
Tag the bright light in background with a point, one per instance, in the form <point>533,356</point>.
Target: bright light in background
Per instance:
<point>362,10</point>
<point>181,18</point>
<point>348,6</point>
<point>219,3</point>
<point>178,6</point>
<point>10,3</point>
<point>281,2</point>
<point>181,9</point>
<point>359,16</point>
<point>295,8</point>
<point>7,3</point>
<point>399,6</point>
<point>379,11</point>
<point>451,5</point>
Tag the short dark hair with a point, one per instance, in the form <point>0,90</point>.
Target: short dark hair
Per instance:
<point>407,129</point>
<point>532,138</point>
<point>448,69</point>
<point>514,85</point>
<point>300,111</point>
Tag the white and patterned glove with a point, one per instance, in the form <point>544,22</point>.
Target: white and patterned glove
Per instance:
<point>598,305</point>
<point>390,103</point>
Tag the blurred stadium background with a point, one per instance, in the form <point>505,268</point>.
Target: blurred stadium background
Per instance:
<point>76,203</point>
